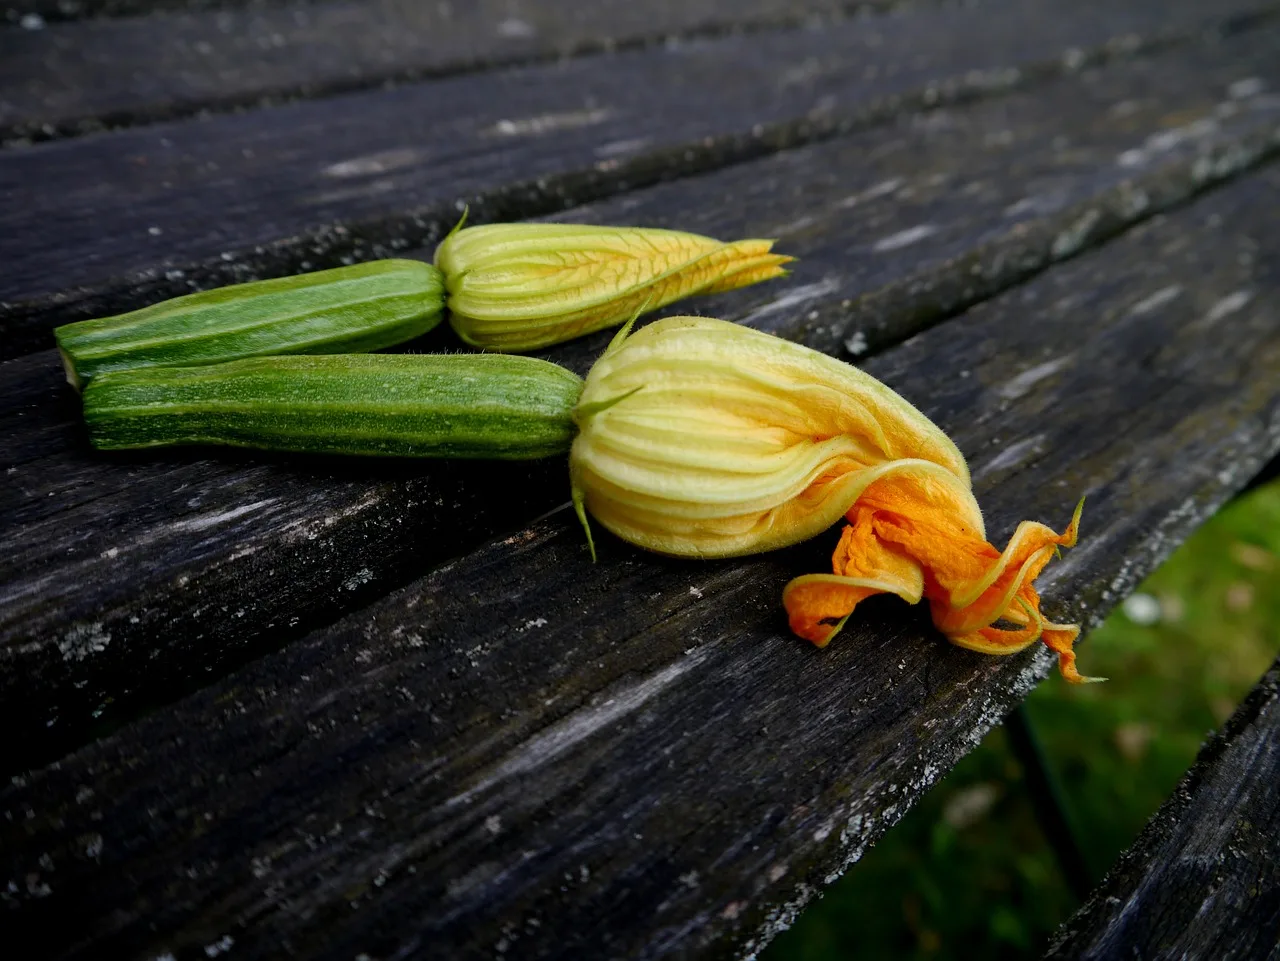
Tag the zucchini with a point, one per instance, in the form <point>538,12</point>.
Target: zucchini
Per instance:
<point>352,309</point>
<point>395,405</point>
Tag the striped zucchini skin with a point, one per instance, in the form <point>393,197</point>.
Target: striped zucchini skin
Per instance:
<point>352,309</point>
<point>391,405</point>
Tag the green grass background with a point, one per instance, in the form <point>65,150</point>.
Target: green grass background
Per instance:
<point>967,873</point>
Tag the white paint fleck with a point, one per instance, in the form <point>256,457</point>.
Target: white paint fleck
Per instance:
<point>536,622</point>
<point>31,21</point>
<point>516,29</point>
<point>111,553</point>
<point>793,299</point>
<point>793,226</point>
<point>1167,140</point>
<point>1157,300</point>
<point>1012,456</point>
<point>1037,204</point>
<point>881,189</point>
<point>1229,305</point>
<point>83,640</point>
<point>205,521</point>
<point>823,832</point>
<point>309,528</point>
<point>905,238</point>
<point>220,946</point>
<point>778,920</point>
<point>358,579</point>
<point>695,592</point>
<point>493,824</point>
<point>1073,238</point>
<point>617,148</point>
<point>549,123</point>
<point>1134,202</point>
<point>1021,383</point>
<point>856,344</point>
<point>373,164</point>
<point>1246,88</point>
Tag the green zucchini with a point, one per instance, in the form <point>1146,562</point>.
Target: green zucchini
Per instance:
<point>346,310</point>
<point>395,405</point>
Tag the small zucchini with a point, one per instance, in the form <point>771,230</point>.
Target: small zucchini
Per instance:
<point>395,405</point>
<point>352,309</point>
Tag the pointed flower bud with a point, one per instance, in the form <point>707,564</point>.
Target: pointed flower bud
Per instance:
<point>701,438</point>
<point>519,287</point>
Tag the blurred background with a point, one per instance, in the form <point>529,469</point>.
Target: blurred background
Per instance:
<point>969,873</point>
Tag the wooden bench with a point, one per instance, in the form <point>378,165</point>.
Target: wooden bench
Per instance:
<point>263,705</point>
<point>1203,880</point>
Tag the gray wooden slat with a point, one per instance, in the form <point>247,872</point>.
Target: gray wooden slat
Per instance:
<point>78,77</point>
<point>368,174</point>
<point>127,578</point>
<point>1203,879</point>
<point>12,11</point>
<point>483,764</point>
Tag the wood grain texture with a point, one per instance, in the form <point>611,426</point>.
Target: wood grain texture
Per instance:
<point>129,579</point>
<point>78,77</point>
<point>1203,878</point>
<point>309,185</point>
<point>12,11</point>
<point>481,764</point>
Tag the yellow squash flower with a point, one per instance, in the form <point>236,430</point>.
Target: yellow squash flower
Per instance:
<point>519,287</point>
<point>701,438</point>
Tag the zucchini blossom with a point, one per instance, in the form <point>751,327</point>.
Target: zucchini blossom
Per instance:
<point>701,438</point>
<point>520,287</point>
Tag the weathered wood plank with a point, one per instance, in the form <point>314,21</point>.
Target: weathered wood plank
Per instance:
<point>12,11</point>
<point>483,764</point>
<point>78,77</point>
<point>58,10</point>
<point>128,578</point>
<point>362,175</point>
<point>1203,879</point>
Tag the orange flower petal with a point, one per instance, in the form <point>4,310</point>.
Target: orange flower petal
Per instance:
<point>819,604</point>
<point>973,590</point>
<point>1059,638</point>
